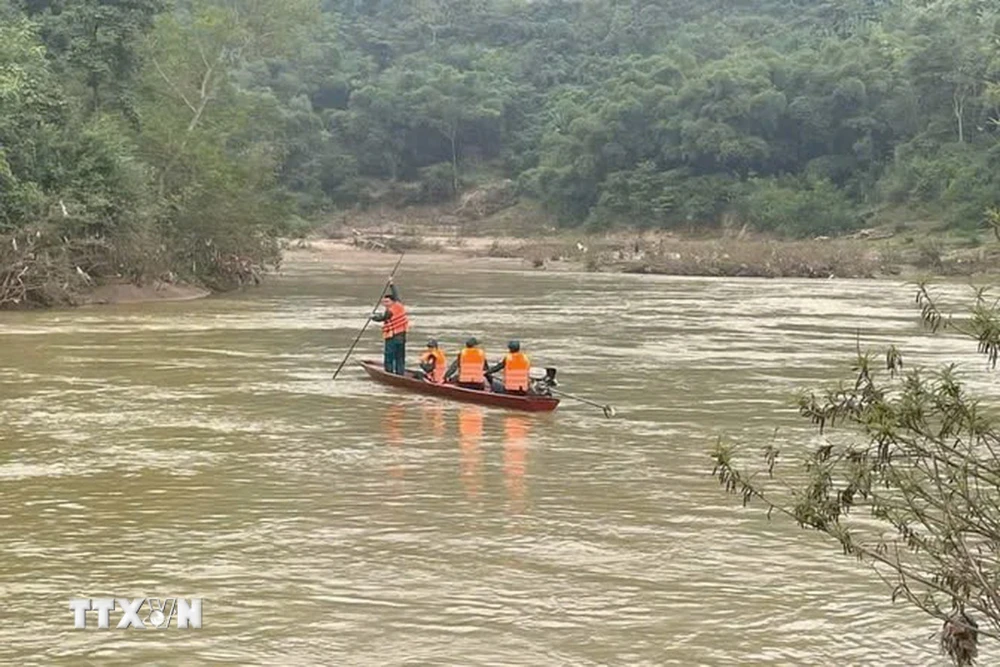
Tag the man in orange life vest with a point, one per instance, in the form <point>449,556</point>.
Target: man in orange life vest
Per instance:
<point>515,366</point>
<point>470,366</point>
<point>433,363</point>
<point>395,324</point>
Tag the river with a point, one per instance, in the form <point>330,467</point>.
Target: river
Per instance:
<point>200,449</point>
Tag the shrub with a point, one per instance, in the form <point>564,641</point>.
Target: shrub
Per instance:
<point>645,197</point>
<point>797,208</point>
<point>436,183</point>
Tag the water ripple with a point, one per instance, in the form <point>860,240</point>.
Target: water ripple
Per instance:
<point>201,450</point>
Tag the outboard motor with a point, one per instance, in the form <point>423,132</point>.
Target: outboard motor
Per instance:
<point>541,381</point>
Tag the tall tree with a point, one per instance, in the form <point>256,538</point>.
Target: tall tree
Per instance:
<point>215,164</point>
<point>98,43</point>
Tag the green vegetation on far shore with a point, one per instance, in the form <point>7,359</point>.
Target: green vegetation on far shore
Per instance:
<point>158,139</point>
<point>800,118</point>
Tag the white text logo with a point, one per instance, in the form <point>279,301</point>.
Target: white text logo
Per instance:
<point>141,613</point>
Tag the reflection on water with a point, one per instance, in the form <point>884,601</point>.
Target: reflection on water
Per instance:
<point>200,449</point>
<point>433,418</point>
<point>470,433</point>
<point>515,454</point>
<point>392,425</point>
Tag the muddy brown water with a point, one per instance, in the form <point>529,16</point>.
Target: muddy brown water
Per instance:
<point>200,449</point>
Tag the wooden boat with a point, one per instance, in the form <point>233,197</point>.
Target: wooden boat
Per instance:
<point>412,383</point>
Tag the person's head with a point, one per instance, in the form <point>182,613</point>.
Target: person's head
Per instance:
<point>514,346</point>
<point>387,300</point>
<point>432,343</point>
<point>472,342</point>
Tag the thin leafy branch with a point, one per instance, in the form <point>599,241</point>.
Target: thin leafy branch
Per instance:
<point>922,462</point>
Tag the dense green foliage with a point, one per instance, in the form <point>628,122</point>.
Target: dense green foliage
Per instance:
<point>799,116</point>
<point>128,147</point>
<point>194,129</point>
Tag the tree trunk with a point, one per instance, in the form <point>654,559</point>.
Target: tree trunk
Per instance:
<point>454,162</point>
<point>958,101</point>
<point>95,79</point>
<point>205,95</point>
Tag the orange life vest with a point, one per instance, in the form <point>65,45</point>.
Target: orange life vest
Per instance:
<point>397,323</point>
<point>515,371</point>
<point>470,365</point>
<point>440,364</point>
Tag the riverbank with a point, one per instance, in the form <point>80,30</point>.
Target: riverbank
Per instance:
<point>129,293</point>
<point>737,255</point>
<point>362,241</point>
<point>898,244</point>
<point>43,268</point>
<point>348,255</point>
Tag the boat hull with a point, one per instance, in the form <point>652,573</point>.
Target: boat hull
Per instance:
<point>410,383</point>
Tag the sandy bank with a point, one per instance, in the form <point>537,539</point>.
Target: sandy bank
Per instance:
<point>347,254</point>
<point>632,254</point>
<point>862,255</point>
<point>129,293</point>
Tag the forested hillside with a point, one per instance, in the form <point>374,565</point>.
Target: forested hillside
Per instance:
<point>792,115</point>
<point>144,136</point>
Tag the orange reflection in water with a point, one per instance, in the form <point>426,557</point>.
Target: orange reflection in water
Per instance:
<point>470,433</point>
<point>515,458</point>
<point>433,419</point>
<point>392,424</point>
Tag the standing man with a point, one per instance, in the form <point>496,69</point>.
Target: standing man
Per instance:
<point>395,324</point>
<point>515,366</point>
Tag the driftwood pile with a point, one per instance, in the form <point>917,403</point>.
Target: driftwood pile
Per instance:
<point>37,269</point>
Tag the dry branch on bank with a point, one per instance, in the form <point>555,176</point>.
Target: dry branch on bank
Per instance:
<point>716,257</point>
<point>39,269</point>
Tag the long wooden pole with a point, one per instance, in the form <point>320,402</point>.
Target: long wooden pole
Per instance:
<point>609,411</point>
<point>362,332</point>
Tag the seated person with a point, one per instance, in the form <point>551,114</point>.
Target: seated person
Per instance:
<point>515,366</point>
<point>433,363</point>
<point>469,367</point>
